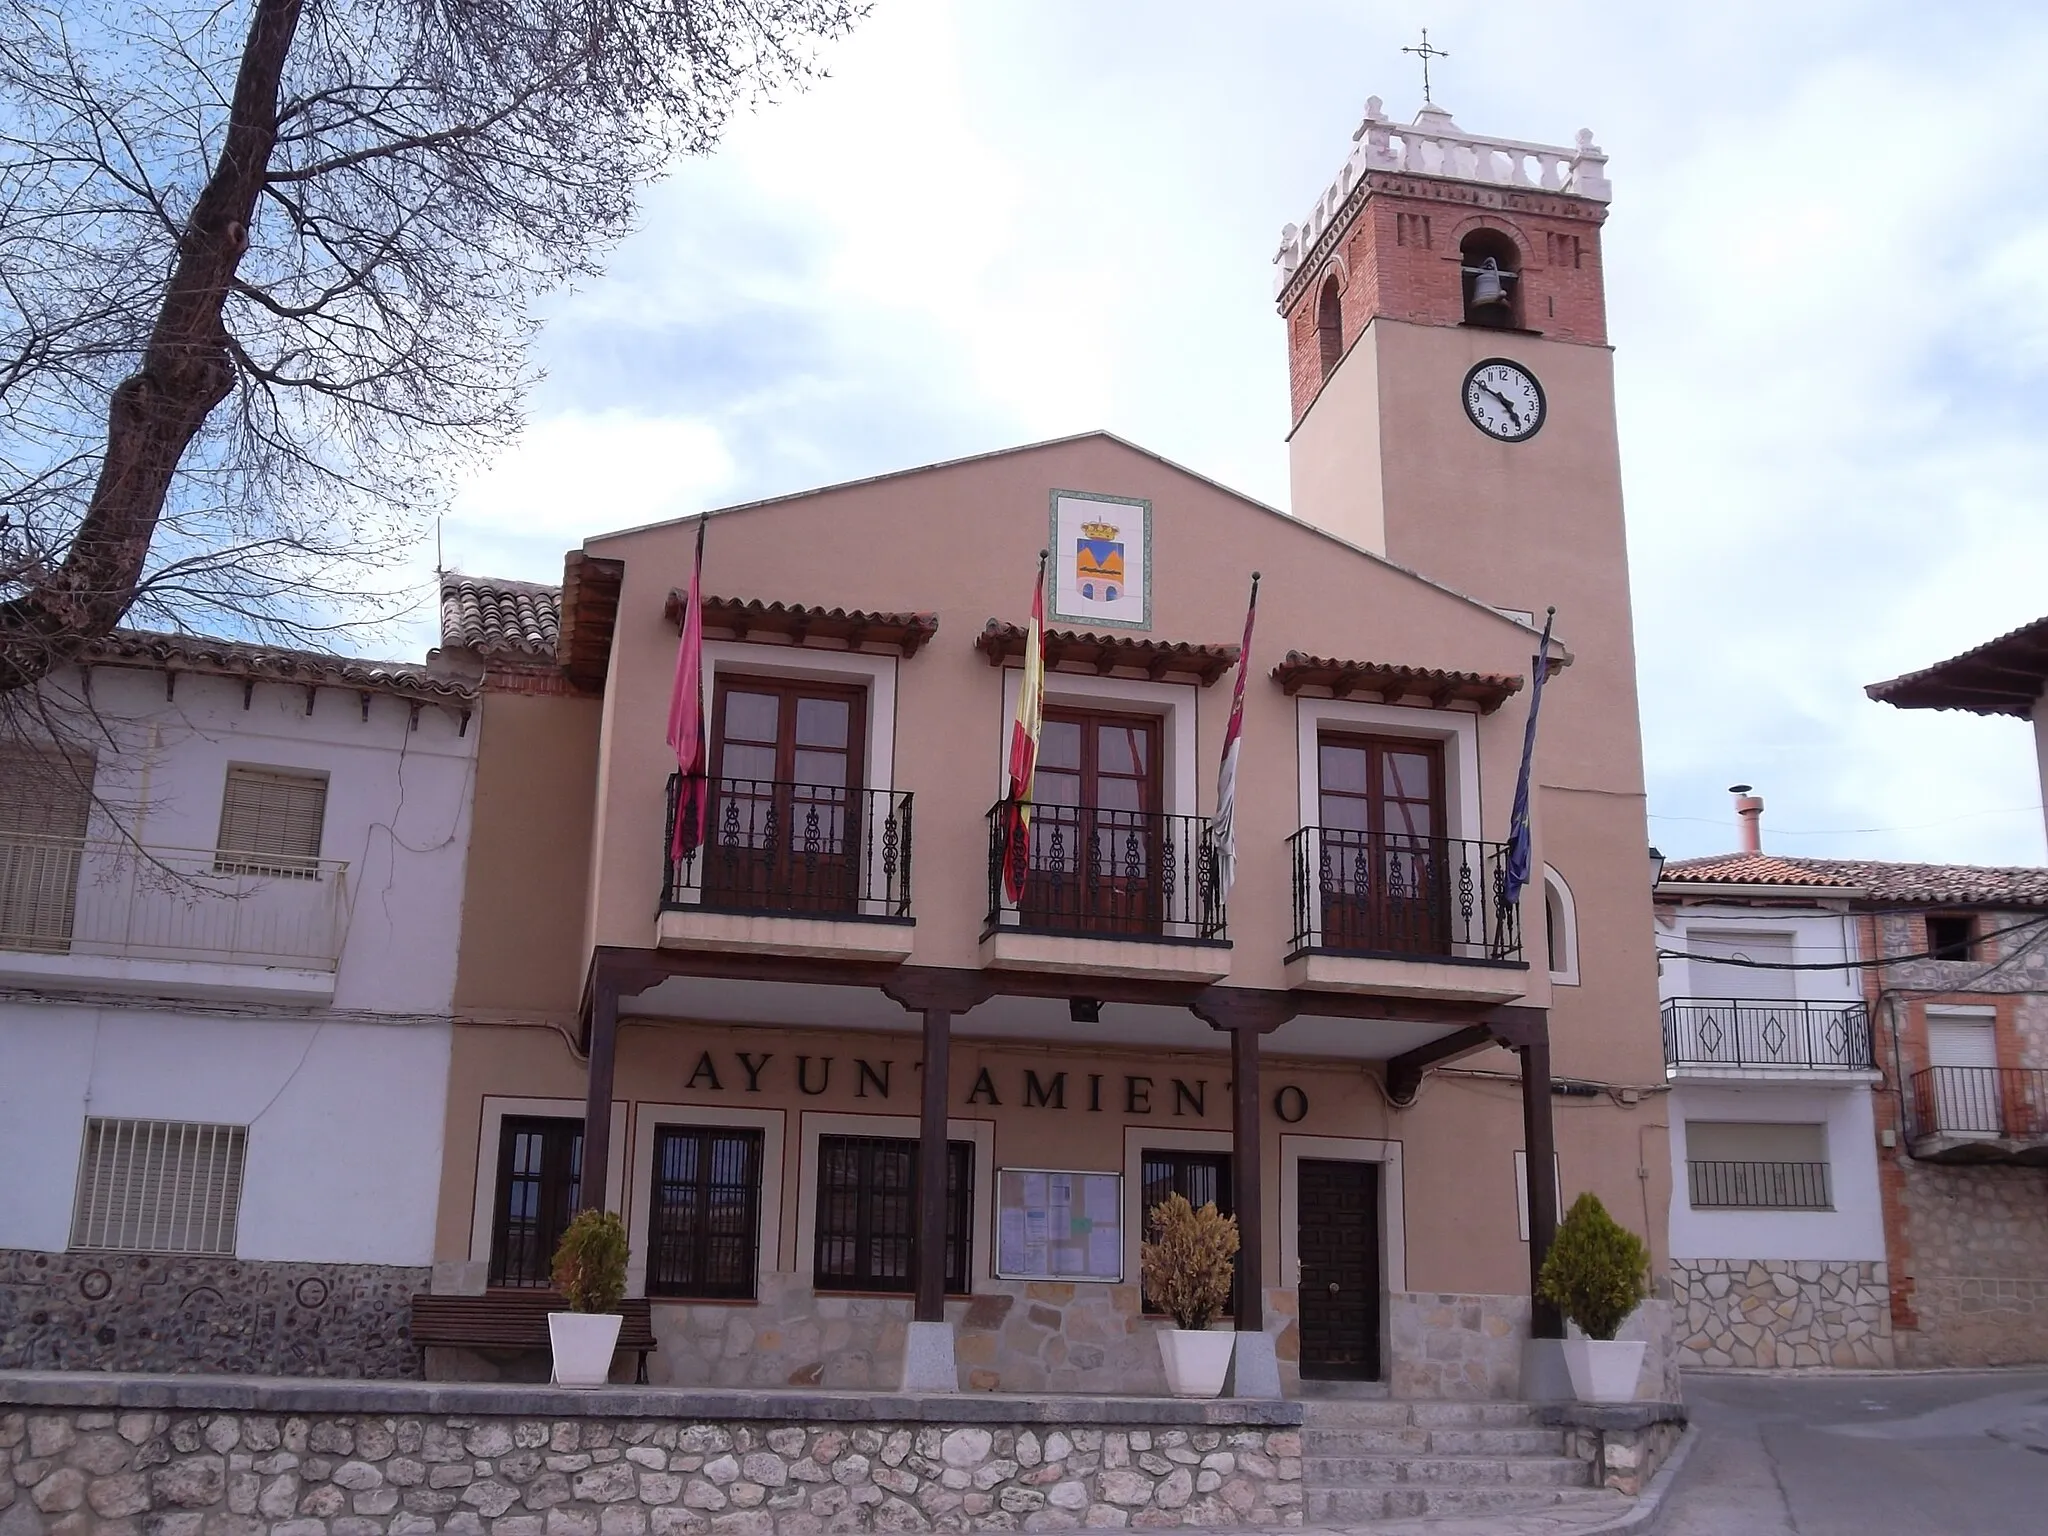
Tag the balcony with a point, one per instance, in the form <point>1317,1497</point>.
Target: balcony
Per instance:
<point>1747,1186</point>
<point>1980,1115</point>
<point>112,916</point>
<point>1743,1038</point>
<point>791,869</point>
<point>1104,892</point>
<point>1404,916</point>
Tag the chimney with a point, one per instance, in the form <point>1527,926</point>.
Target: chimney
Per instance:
<point>1749,817</point>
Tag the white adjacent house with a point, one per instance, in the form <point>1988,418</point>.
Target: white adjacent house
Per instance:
<point>228,920</point>
<point>1777,1238</point>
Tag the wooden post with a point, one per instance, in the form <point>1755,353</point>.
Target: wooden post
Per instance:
<point>1540,1140</point>
<point>1245,1186</point>
<point>929,1303</point>
<point>597,1101</point>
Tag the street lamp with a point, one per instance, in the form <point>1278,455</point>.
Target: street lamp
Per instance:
<point>1656,866</point>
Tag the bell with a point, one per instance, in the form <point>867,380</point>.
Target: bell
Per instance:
<point>1488,287</point>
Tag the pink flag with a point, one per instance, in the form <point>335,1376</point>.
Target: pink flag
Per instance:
<point>1225,831</point>
<point>1024,732</point>
<point>686,720</point>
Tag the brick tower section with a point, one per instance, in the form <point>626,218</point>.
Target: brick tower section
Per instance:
<point>1394,252</point>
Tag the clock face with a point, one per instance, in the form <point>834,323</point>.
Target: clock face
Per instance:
<point>1504,400</point>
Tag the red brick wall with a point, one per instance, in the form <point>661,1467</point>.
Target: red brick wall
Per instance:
<point>1398,257</point>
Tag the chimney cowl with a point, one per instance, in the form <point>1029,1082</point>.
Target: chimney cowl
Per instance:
<point>1749,816</point>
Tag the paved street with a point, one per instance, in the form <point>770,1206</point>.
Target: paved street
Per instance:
<point>1937,1455</point>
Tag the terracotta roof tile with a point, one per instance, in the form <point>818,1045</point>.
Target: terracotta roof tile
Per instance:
<point>2000,677</point>
<point>1001,641</point>
<point>1910,884</point>
<point>1393,682</point>
<point>497,618</point>
<point>271,663</point>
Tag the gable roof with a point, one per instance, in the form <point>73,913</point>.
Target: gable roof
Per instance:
<point>255,661</point>
<point>2005,676</point>
<point>1985,885</point>
<point>494,617</point>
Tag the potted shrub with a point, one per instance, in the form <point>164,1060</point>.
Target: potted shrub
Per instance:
<point>1187,1273</point>
<point>590,1272</point>
<point>1594,1275</point>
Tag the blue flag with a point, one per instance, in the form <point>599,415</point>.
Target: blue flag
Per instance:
<point>1518,823</point>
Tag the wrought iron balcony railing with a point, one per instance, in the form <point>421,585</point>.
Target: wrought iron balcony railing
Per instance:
<point>1412,898</point>
<point>1759,1186</point>
<point>83,896</point>
<point>804,850</point>
<point>2007,1103</point>
<point>1104,873</point>
<point>1742,1032</point>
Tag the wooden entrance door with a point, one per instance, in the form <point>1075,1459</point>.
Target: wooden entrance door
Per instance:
<point>1339,1293</point>
<point>1095,831</point>
<point>1385,878</point>
<point>785,830</point>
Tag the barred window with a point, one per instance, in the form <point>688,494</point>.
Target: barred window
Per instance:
<point>45,800</point>
<point>159,1186</point>
<point>704,1214</point>
<point>270,822</point>
<point>867,1213</point>
<point>540,1174</point>
<point>1202,1178</point>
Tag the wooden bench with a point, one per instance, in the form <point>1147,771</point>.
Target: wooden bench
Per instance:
<point>513,1320</point>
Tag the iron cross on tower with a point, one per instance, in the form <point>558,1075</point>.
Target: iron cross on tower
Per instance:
<point>1426,53</point>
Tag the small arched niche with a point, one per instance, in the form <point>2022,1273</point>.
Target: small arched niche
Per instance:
<point>1490,265</point>
<point>1560,929</point>
<point>1330,325</point>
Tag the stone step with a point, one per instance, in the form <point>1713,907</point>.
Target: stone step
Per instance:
<point>1495,1442</point>
<point>1358,1413</point>
<point>1381,1502</point>
<point>1441,1415</point>
<point>1447,1471</point>
<point>1402,1440</point>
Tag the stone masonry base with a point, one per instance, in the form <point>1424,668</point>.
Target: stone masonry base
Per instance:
<point>1782,1312</point>
<point>195,1456</point>
<point>151,1312</point>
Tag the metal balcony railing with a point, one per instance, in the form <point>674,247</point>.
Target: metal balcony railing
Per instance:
<point>804,850</point>
<point>1759,1186</point>
<point>1414,898</point>
<point>2004,1102</point>
<point>1742,1032</point>
<point>81,896</point>
<point>1104,873</point>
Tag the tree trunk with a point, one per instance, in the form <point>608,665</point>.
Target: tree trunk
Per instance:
<point>186,371</point>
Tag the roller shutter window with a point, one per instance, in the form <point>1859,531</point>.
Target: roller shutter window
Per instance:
<point>45,801</point>
<point>270,822</point>
<point>1757,1165</point>
<point>159,1186</point>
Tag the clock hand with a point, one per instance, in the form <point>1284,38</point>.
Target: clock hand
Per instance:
<point>1505,404</point>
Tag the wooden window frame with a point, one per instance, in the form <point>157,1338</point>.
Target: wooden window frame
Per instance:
<point>855,695</point>
<point>284,864</point>
<point>692,1239</point>
<point>960,1157</point>
<point>560,1179</point>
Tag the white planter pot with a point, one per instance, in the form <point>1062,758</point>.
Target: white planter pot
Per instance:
<point>1196,1360</point>
<point>1604,1370</point>
<point>583,1344</point>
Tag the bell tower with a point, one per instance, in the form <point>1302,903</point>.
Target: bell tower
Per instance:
<point>1453,389</point>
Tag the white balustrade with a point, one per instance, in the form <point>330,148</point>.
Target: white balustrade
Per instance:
<point>80,897</point>
<point>1434,145</point>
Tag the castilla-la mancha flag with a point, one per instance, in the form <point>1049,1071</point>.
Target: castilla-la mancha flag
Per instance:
<point>686,720</point>
<point>1225,830</point>
<point>1024,748</point>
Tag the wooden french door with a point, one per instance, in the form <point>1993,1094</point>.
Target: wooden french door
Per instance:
<point>1095,829</point>
<point>785,831</point>
<point>1339,1291</point>
<point>1383,867</point>
<point>540,1171</point>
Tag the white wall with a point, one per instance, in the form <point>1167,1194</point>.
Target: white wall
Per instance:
<point>1818,937</point>
<point>398,801</point>
<point>1854,1229</point>
<point>345,1120</point>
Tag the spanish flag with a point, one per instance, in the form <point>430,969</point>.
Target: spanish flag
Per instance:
<point>1024,747</point>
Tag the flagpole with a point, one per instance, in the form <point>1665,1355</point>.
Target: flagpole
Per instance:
<point>1223,838</point>
<point>1515,876</point>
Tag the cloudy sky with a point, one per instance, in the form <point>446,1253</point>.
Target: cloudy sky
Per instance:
<point>1004,220</point>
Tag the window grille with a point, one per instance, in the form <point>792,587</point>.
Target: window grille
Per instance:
<point>704,1213</point>
<point>159,1186</point>
<point>867,1213</point>
<point>1202,1178</point>
<point>540,1175</point>
<point>270,822</point>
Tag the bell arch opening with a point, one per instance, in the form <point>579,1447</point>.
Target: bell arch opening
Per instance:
<point>1491,267</point>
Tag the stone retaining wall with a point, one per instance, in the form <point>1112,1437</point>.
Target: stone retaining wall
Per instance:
<point>1469,1347</point>
<point>1782,1312</point>
<point>148,1312</point>
<point>140,1471</point>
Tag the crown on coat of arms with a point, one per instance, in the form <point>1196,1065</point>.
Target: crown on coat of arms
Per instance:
<point>1099,530</point>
